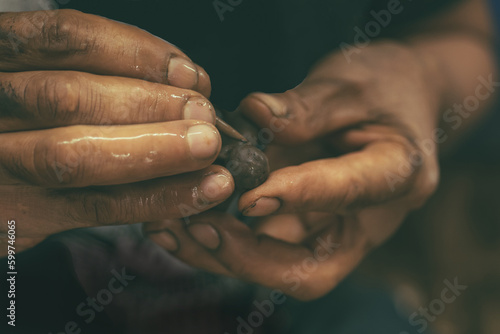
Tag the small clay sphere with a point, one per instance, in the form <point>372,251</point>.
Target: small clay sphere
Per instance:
<point>248,165</point>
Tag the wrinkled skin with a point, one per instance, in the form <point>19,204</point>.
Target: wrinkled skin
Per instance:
<point>88,102</point>
<point>337,137</point>
<point>369,123</point>
<point>355,150</point>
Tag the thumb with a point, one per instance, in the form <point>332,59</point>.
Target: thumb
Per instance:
<point>353,181</point>
<point>311,110</point>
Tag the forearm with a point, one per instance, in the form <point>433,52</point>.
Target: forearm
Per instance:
<point>458,49</point>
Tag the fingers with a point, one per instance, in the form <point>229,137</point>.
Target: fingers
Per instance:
<point>311,110</point>
<point>179,237</point>
<point>378,173</point>
<point>294,228</point>
<point>303,272</point>
<point>44,211</point>
<point>71,40</point>
<point>80,156</point>
<point>34,100</point>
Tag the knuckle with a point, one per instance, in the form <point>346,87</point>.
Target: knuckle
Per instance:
<point>61,25</point>
<point>15,165</point>
<point>105,206</point>
<point>10,101</point>
<point>301,187</point>
<point>96,208</point>
<point>62,163</point>
<point>66,32</point>
<point>6,32</point>
<point>13,36</point>
<point>59,97</point>
<point>142,103</point>
<point>149,104</point>
<point>52,163</point>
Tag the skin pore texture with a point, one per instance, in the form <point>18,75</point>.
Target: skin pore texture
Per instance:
<point>91,134</point>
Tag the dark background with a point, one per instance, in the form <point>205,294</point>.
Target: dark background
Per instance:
<point>457,234</point>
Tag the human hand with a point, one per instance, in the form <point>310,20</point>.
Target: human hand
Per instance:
<point>89,102</point>
<point>354,152</point>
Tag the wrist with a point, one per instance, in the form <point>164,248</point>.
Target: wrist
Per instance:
<point>435,77</point>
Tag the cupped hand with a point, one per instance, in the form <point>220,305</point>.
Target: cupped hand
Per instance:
<point>88,102</point>
<point>353,152</point>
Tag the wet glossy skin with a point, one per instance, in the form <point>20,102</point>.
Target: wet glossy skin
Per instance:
<point>322,214</point>
<point>125,154</point>
<point>88,102</point>
<point>74,73</point>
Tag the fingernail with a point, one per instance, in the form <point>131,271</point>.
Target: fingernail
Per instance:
<point>182,73</point>
<point>216,187</point>
<point>204,86</point>
<point>200,109</point>
<point>277,108</point>
<point>165,238</point>
<point>262,207</point>
<point>203,141</point>
<point>205,234</point>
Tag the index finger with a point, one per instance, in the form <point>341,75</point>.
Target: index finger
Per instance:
<point>72,40</point>
<point>383,170</point>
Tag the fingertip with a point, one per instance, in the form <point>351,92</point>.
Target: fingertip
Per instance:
<point>204,85</point>
<point>264,206</point>
<point>204,141</point>
<point>217,187</point>
<point>149,227</point>
<point>274,105</point>
<point>165,239</point>
<point>254,108</point>
<point>223,171</point>
<point>270,189</point>
<point>160,233</point>
<point>247,199</point>
<point>272,112</point>
<point>205,234</point>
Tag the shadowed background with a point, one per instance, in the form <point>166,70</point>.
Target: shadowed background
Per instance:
<point>457,234</point>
